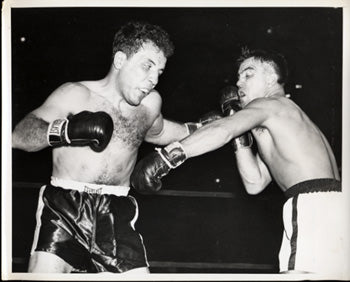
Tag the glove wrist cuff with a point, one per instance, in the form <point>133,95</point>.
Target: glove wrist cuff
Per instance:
<point>244,141</point>
<point>173,154</point>
<point>57,132</point>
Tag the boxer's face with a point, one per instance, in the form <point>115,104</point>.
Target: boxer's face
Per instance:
<point>139,73</point>
<point>252,80</point>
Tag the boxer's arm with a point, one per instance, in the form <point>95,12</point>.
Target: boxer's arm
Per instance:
<point>149,171</point>
<point>253,171</point>
<point>30,134</point>
<point>164,131</point>
<point>218,133</point>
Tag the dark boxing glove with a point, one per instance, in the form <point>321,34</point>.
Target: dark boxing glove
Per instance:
<point>230,104</point>
<point>148,172</point>
<point>83,129</point>
<point>210,117</point>
<point>205,119</point>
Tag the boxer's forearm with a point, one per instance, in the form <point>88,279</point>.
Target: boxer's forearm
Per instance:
<point>171,132</point>
<point>208,138</point>
<point>254,173</point>
<point>218,133</point>
<point>167,132</point>
<point>30,134</point>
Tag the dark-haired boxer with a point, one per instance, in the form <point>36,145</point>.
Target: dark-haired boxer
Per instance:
<point>291,150</point>
<point>85,218</point>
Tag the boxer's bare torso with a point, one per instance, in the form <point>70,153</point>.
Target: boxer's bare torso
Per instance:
<point>114,165</point>
<point>291,145</point>
<point>291,148</point>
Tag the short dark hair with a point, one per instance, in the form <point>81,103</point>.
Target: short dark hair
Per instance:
<point>130,37</point>
<point>276,60</point>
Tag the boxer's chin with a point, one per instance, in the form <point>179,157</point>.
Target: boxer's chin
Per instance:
<point>137,98</point>
<point>135,101</point>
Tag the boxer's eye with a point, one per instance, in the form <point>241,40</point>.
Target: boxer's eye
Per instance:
<point>147,66</point>
<point>248,74</point>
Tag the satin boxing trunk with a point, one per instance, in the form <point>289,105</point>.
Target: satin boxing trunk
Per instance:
<point>314,228</point>
<point>89,226</point>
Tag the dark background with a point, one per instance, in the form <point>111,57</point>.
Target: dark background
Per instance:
<point>51,46</point>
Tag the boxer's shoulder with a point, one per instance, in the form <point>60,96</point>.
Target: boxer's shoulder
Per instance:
<point>153,98</point>
<point>272,105</point>
<point>153,102</point>
<point>75,92</point>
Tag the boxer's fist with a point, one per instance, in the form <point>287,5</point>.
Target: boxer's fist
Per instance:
<point>205,119</point>
<point>83,129</point>
<point>229,101</point>
<point>148,172</point>
<point>230,104</point>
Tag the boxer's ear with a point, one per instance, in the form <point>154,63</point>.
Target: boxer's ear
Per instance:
<point>271,78</point>
<point>119,59</point>
<point>271,75</point>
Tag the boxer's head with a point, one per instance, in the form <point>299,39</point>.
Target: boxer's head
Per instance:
<point>275,60</point>
<point>131,37</point>
<point>260,73</point>
<point>140,52</point>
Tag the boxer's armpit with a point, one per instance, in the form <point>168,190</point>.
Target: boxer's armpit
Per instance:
<point>30,134</point>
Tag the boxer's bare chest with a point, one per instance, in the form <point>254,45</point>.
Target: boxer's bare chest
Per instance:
<point>130,128</point>
<point>130,125</point>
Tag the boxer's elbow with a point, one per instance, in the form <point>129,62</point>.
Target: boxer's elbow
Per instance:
<point>25,147</point>
<point>254,173</point>
<point>253,190</point>
<point>254,186</point>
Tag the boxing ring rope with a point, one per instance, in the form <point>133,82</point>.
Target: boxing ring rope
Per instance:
<point>223,266</point>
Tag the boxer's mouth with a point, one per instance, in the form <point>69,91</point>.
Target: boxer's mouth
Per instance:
<point>241,93</point>
<point>145,91</point>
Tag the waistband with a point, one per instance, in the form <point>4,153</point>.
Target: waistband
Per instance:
<point>314,185</point>
<point>90,188</point>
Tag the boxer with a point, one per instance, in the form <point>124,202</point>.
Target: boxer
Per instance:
<point>292,151</point>
<point>85,217</point>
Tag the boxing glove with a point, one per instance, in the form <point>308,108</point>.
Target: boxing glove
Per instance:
<point>230,104</point>
<point>205,119</point>
<point>83,129</point>
<point>148,172</point>
<point>229,101</point>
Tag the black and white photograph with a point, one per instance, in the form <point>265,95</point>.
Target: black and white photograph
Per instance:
<point>195,140</point>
